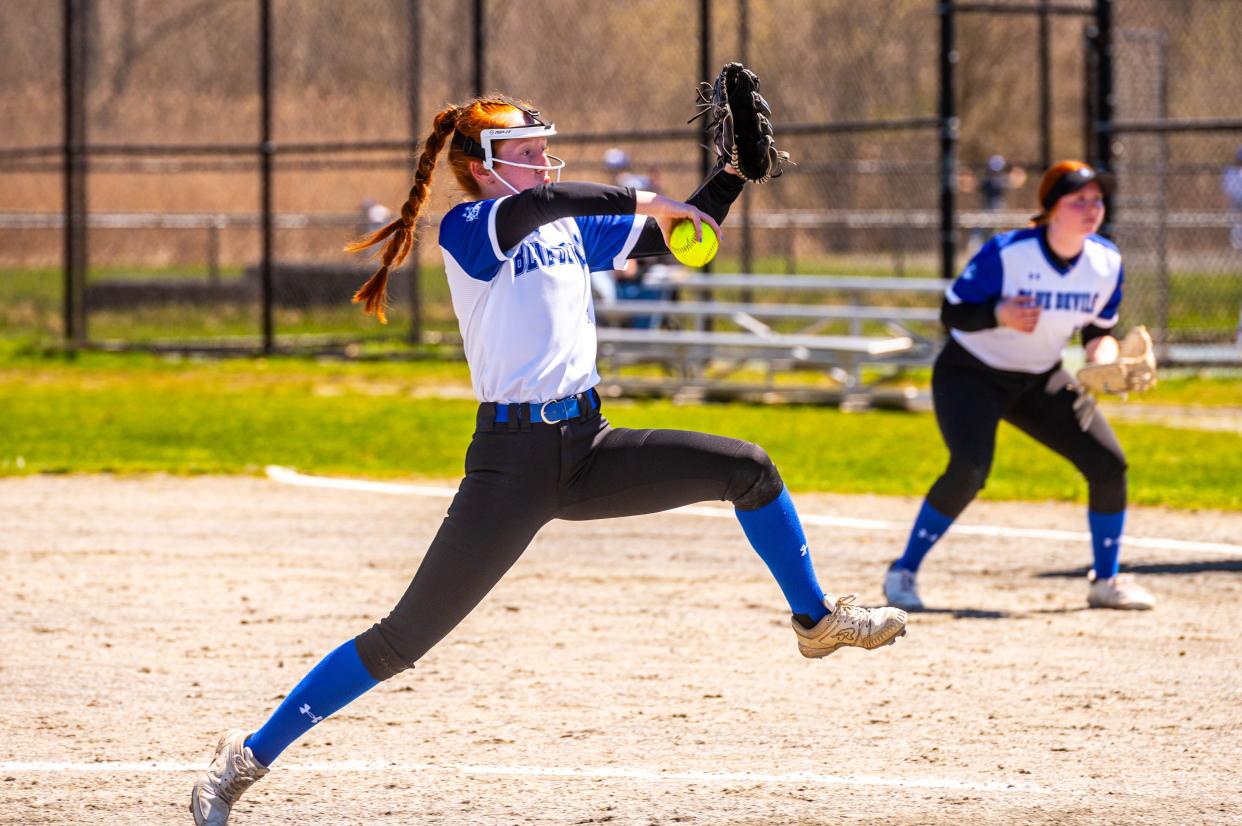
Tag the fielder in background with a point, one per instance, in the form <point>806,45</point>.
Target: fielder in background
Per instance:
<point>1010,314</point>
<point>643,279</point>
<point>518,256</point>
<point>1231,185</point>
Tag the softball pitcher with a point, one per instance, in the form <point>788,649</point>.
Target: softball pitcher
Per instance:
<point>1010,314</point>
<point>518,257</point>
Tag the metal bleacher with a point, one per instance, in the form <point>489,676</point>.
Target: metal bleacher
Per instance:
<point>703,345</point>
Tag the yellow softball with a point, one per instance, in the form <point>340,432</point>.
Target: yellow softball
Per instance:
<point>688,251</point>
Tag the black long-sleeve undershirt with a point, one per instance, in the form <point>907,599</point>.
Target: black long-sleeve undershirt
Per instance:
<point>971,318</point>
<point>519,215</point>
<point>1091,332</point>
<point>714,197</point>
<point>968,317</point>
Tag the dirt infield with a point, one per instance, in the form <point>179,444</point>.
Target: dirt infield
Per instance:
<point>637,671</point>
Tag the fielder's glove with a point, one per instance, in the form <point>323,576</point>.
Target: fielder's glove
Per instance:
<point>1084,402</point>
<point>1134,369</point>
<point>737,121</point>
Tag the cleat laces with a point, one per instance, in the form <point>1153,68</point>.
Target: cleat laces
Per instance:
<point>847,608</point>
<point>234,780</point>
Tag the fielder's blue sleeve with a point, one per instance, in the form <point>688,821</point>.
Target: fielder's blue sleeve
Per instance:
<point>468,233</point>
<point>608,239</point>
<point>983,278</point>
<point>1108,316</point>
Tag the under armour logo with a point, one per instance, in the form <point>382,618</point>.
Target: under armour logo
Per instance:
<point>472,211</point>
<point>305,709</point>
<point>1034,276</point>
<point>804,550</point>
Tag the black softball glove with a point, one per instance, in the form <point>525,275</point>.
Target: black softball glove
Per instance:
<point>737,120</point>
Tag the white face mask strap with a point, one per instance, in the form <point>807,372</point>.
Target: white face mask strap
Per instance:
<point>512,188</point>
<point>556,166</point>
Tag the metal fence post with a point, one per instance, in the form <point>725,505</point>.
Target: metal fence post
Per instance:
<point>1104,102</point>
<point>74,159</point>
<point>1090,85</point>
<point>705,159</point>
<point>266,151</point>
<point>748,250</point>
<point>1045,87</point>
<point>213,248</point>
<point>480,46</point>
<point>949,130</point>
<point>414,92</point>
<point>1163,286</point>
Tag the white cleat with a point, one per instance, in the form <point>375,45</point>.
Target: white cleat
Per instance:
<point>233,770</point>
<point>1120,592</point>
<point>849,624</point>
<point>901,590</point>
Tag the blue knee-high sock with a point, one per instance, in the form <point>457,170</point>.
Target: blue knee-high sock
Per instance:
<point>929,526</point>
<point>775,532</point>
<point>338,679</point>
<point>1106,531</point>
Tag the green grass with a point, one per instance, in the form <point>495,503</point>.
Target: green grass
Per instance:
<point>106,413</point>
<point>1220,387</point>
<point>901,454</point>
<point>1208,302</point>
<point>1195,389</point>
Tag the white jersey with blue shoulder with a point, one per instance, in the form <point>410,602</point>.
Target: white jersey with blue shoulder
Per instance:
<point>1016,263</point>
<point>526,315</point>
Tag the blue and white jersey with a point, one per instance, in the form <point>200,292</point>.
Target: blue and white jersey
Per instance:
<point>525,314</point>
<point>1016,264</point>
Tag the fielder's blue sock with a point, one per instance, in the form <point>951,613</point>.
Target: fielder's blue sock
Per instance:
<point>775,532</point>
<point>1106,531</point>
<point>928,527</point>
<point>338,680</point>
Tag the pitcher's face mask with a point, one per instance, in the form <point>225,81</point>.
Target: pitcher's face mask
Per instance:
<point>484,149</point>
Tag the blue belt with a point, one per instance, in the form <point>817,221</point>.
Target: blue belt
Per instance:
<point>559,410</point>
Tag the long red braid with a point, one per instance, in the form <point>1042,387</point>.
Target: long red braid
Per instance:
<point>470,120</point>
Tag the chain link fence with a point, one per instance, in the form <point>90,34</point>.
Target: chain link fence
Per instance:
<point>31,178</point>
<point>200,174</point>
<point>1178,145</point>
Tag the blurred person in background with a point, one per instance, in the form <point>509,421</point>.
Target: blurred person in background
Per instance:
<point>644,279</point>
<point>372,216</point>
<point>997,179</point>
<point>1231,185</point>
<point>617,163</point>
<point>994,184</point>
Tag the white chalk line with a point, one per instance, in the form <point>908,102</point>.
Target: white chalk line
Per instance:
<point>292,477</point>
<point>602,772</point>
